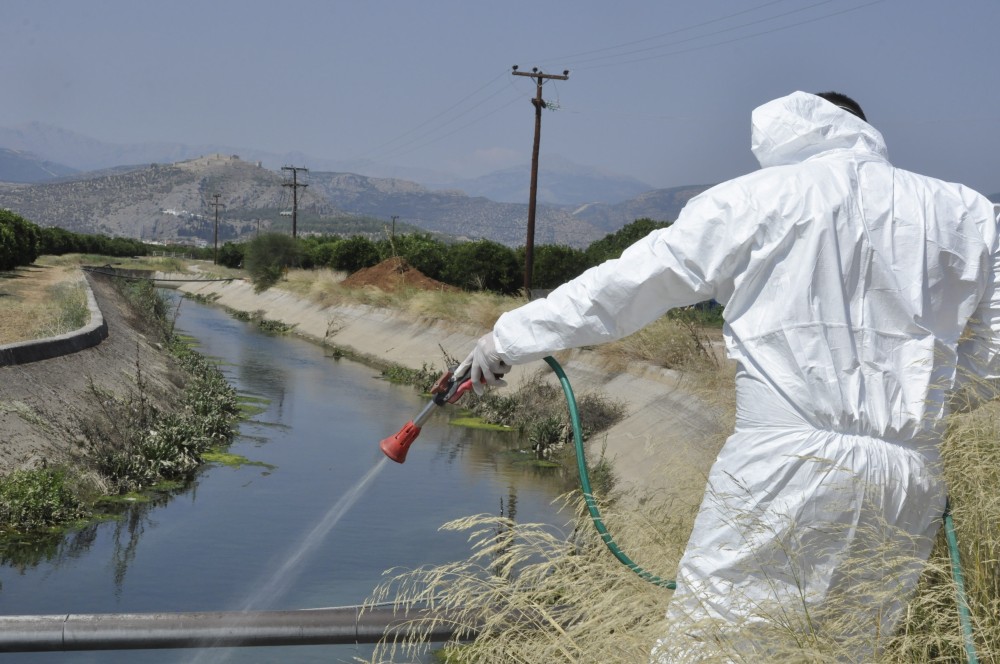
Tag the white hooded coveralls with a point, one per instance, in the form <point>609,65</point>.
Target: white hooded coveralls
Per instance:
<point>847,285</point>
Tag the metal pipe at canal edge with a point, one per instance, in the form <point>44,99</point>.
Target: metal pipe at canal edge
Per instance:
<point>141,631</point>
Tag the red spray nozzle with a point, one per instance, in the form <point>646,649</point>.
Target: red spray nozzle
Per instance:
<point>395,447</point>
<point>447,389</point>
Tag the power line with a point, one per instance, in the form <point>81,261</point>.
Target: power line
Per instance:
<point>401,149</point>
<point>393,147</point>
<point>569,58</point>
<point>450,108</point>
<point>477,120</point>
<point>615,61</point>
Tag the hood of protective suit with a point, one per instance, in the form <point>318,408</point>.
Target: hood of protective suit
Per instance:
<point>794,128</point>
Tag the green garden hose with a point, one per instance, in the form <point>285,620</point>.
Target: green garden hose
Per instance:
<point>595,515</point>
<point>956,573</point>
<point>588,494</point>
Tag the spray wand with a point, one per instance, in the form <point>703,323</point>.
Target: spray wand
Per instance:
<point>449,388</point>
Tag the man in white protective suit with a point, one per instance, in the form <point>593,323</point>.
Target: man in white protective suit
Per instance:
<point>858,297</point>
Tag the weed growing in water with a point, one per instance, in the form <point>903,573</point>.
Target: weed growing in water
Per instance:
<point>134,445</point>
<point>423,378</point>
<point>38,498</point>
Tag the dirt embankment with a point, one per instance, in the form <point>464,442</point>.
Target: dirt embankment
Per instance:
<point>42,403</point>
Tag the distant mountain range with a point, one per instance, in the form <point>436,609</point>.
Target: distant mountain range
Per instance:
<point>173,202</point>
<point>163,191</point>
<point>20,166</point>
<point>59,178</point>
<point>561,182</point>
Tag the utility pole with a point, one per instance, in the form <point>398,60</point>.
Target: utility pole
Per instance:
<point>539,104</point>
<point>392,237</point>
<point>294,184</point>
<point>216,204</point>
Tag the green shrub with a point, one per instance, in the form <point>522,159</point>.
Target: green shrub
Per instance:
<point>421,251</point>
<point>613,244</point>
<point>353,254</point>
<point>19,240</point>
<point>483,265</point>
<point>422,378</point>
<point>35,499</point>
<point>231,255</point>
<point>268,257</point>
<point>554,265</point>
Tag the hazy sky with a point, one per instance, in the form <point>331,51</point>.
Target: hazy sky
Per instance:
<point>658,90</point>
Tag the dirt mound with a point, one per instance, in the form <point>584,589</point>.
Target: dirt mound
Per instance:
<point>393,274</point>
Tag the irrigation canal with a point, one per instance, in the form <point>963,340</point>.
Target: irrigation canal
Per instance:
<point>267,537</point>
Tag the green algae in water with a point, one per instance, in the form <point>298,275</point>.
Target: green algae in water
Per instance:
<point>251,405</point>
<point>233,460</point>
<point>477,423</point>
<point>248,410</point>
<point>527,458</point>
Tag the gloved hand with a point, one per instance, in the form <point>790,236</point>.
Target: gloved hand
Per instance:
<point>485,365</point>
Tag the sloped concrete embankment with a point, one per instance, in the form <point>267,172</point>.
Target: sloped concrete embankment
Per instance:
<point>669,438</point>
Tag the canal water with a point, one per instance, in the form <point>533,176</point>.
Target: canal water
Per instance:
<point>301,530</point>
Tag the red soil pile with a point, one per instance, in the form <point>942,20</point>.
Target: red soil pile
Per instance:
<point>393,274</point>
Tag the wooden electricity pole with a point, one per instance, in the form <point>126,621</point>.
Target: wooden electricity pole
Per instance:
<point>539,104</point>
<point>294,184</point>
<point>216,204</point>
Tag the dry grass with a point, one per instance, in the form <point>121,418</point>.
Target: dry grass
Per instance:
<point>544,595</point>
<point>524,580</point>
<point>41,301</point>
<point>324,287</point>
<point>163,264</point>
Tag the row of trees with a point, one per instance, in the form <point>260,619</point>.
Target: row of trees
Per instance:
<point>57,241</point>
<point>22,241</point>
<point>479,265</point>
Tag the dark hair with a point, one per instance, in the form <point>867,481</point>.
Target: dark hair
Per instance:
<point>844,102</point>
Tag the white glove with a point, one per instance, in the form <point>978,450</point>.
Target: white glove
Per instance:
<point>485,365</point>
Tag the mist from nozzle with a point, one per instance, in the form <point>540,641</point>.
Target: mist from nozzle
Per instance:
<point>280,580</point>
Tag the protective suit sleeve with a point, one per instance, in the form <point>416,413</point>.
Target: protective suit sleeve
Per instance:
<point>978,370</point>
<point>691,261</point>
